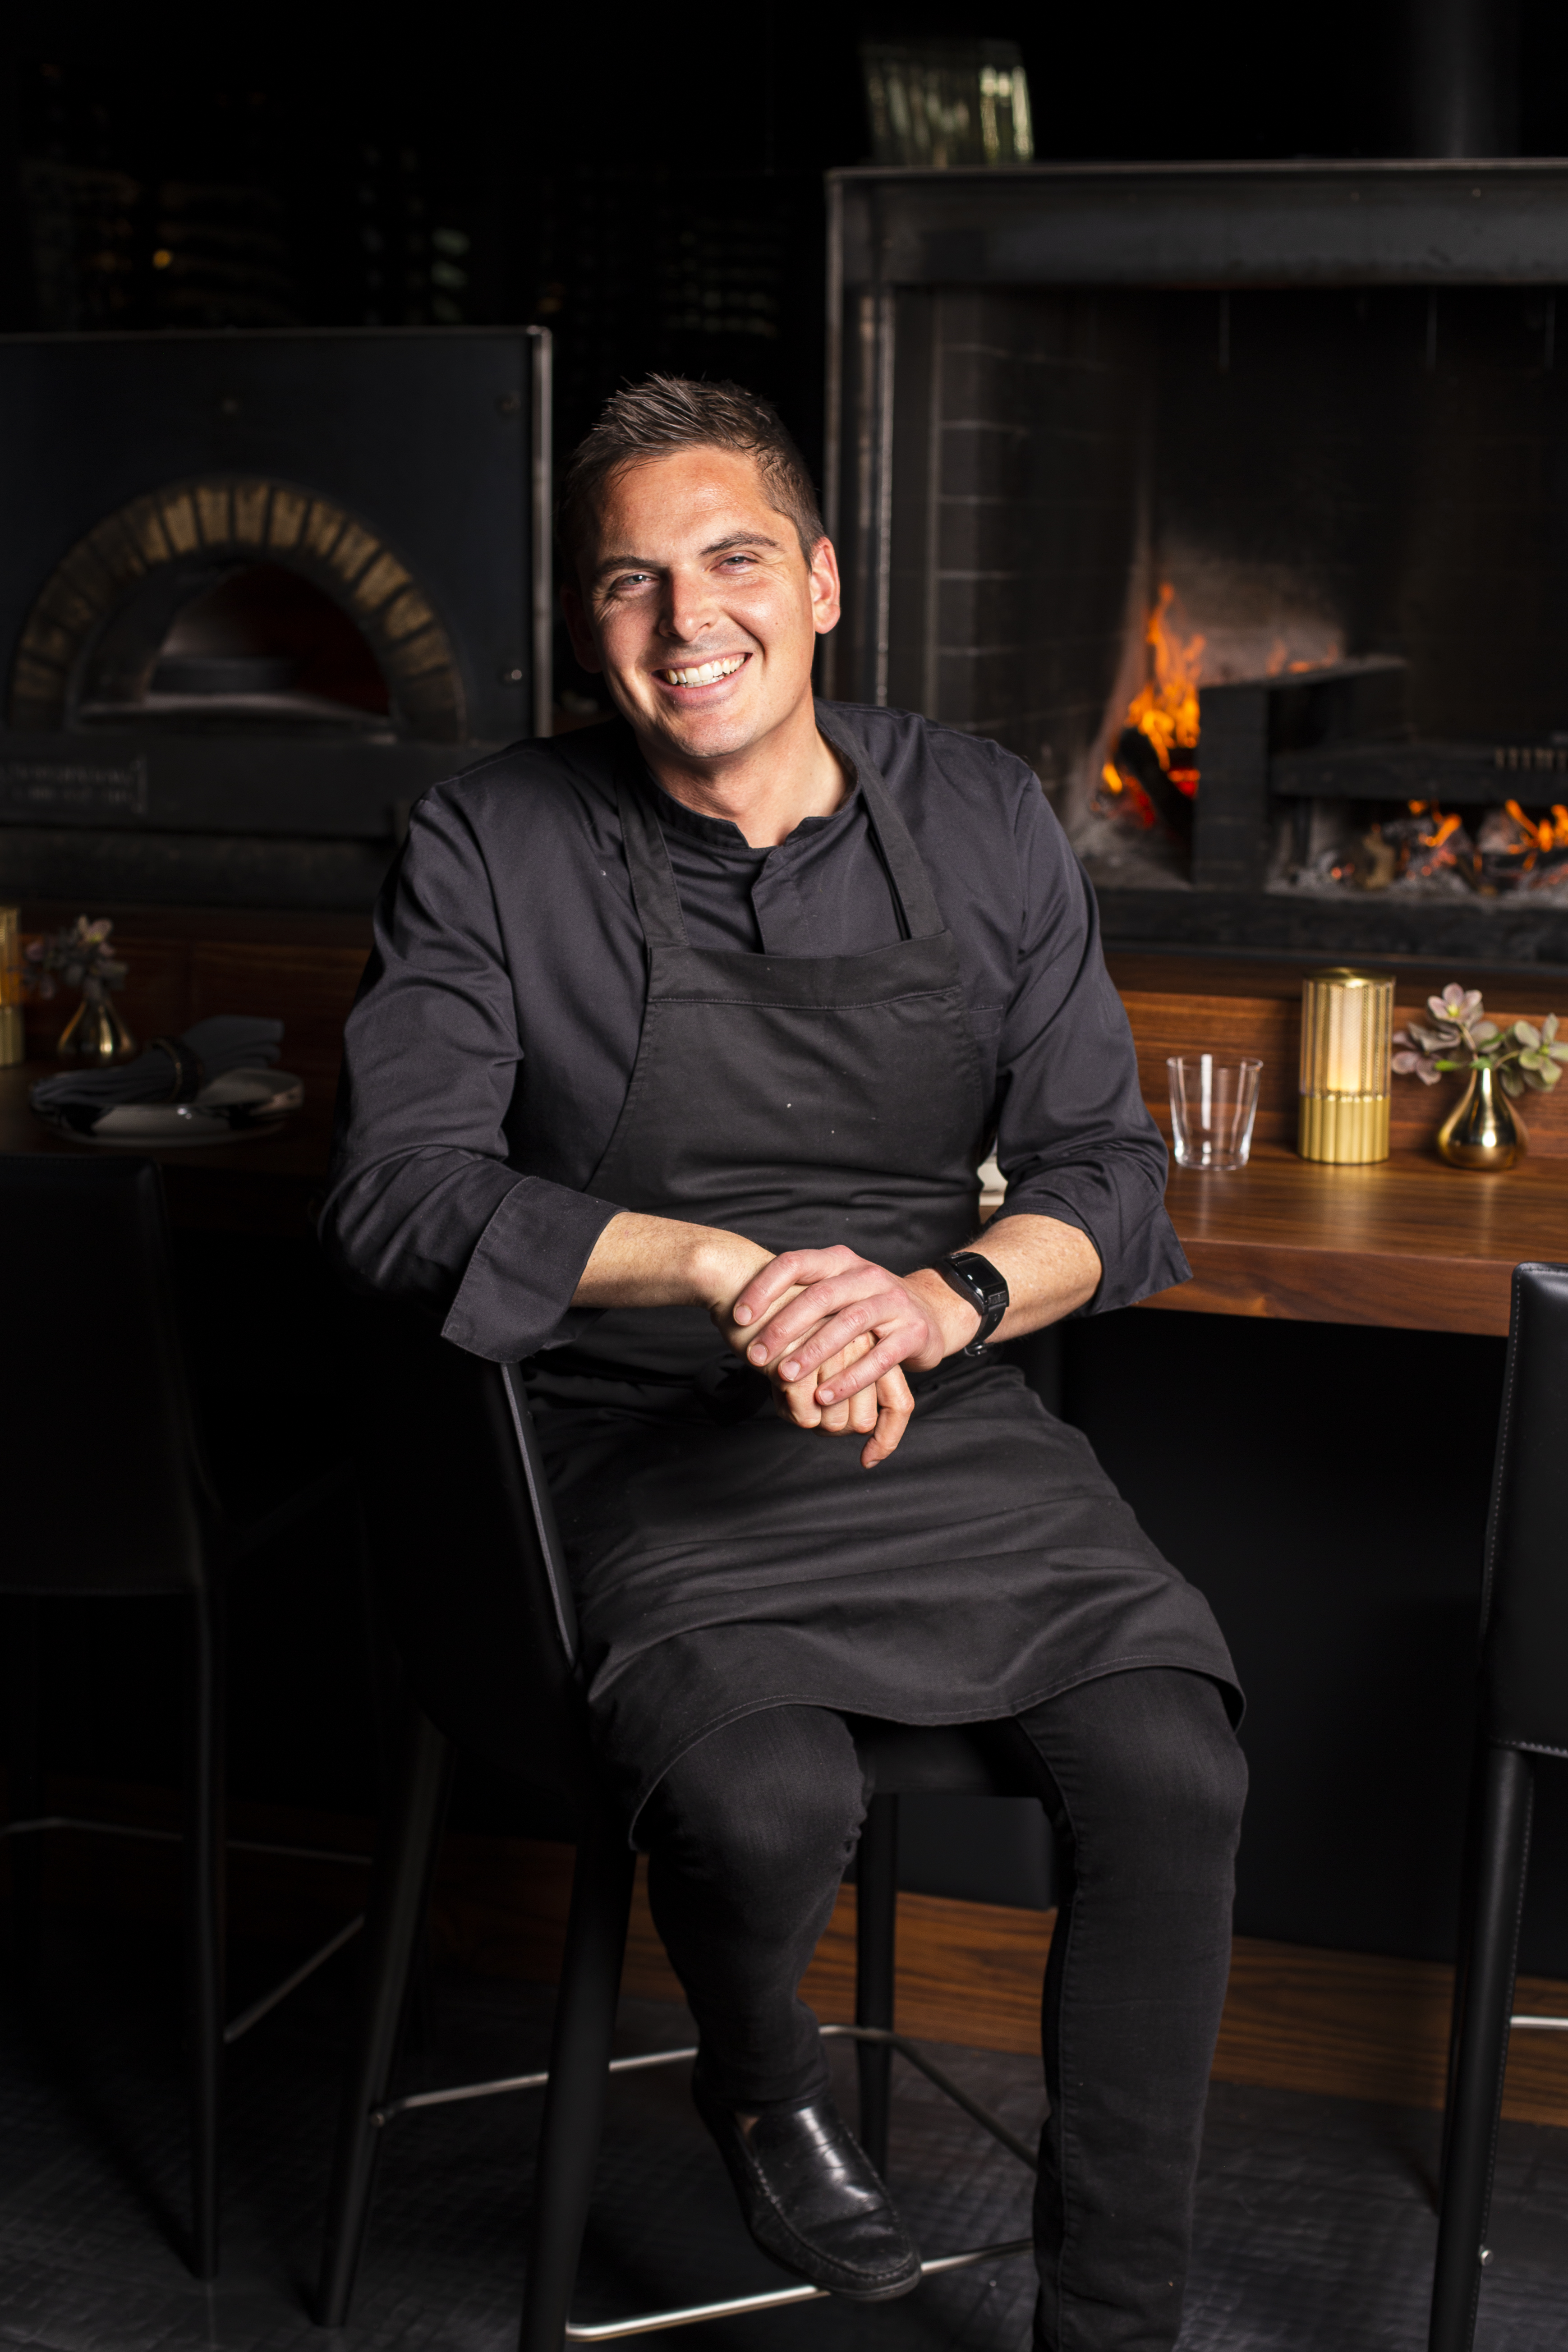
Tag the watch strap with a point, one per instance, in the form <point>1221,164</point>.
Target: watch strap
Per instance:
<point>977,1280</point>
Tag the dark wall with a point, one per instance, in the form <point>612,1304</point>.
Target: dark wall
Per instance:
<point>1398,454</point>
<point>1024,417</point>
<point>598,175</point>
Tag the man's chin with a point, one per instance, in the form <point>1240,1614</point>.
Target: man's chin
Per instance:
<point>701,734</point>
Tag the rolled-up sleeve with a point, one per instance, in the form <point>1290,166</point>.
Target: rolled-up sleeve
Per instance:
<point>1074,1139</point>
<point>423,1206</point>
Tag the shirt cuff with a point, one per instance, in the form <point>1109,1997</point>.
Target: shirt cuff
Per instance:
<point>515,1296</point>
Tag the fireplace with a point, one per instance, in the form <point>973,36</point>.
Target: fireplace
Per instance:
<point>256,592</point>
<point>1233,499</point>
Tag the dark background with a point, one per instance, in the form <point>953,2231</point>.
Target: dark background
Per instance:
<point>649,185</point>
<point>652,191</point>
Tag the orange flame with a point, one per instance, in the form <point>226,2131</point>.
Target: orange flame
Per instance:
<point>1550,832</point>
<point>1444,827</point>
<point>1167,708</point>
<point>1128,789</point>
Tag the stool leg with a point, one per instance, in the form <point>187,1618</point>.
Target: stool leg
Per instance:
<point>579,2079</point>
<point>1501,1855</point>
<point>399,1899</point>
<point>25,1694</point>
<point>205,1909</point>
<point>876,1932</point>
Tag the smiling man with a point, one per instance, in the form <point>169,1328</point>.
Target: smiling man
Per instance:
<point>682,1041</point>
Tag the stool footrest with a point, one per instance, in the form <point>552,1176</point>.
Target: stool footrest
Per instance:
<point>650,2323</point>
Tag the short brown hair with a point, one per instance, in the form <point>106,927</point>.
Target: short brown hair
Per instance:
<point>670,412</point>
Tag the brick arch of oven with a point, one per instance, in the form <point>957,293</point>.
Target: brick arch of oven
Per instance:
<point>219,521</point>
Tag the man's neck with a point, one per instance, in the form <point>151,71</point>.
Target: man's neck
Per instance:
<point>766,790</point>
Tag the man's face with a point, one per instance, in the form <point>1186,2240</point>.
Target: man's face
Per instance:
<point>694,599</point>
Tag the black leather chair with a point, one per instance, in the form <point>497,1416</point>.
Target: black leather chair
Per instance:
<point>466,1560</point>
<point>87,1278</point>
<point>1523,1713</point>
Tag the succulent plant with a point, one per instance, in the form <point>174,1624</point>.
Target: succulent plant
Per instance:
<point>1460,1037</point>
<point>81,956</point>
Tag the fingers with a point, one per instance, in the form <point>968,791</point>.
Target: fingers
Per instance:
<point>877,1362</point>
<point>865,1318</point>
<point>814,1302</point>
<point>797,1400</point>
<point>859,1412</point>
<point>894,1405</point>
<point>794,1270</point>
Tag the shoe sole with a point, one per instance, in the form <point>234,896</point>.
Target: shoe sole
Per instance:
<point>876,2294</point>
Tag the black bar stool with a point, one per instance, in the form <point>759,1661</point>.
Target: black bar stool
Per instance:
<point>86,1272</point>
<point>1523,1713</point>
<point>467,1562</point>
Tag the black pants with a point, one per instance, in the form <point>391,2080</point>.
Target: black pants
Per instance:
<point>1143,1781</point>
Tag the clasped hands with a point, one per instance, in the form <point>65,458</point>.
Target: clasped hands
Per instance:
<point>833,1332</point>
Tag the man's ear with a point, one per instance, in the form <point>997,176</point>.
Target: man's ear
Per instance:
<point>826,602</point>
<point>579,628</point>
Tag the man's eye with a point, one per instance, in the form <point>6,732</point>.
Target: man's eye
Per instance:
<point>737,559</point>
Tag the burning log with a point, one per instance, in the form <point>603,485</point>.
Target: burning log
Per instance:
<point>1154,762</point>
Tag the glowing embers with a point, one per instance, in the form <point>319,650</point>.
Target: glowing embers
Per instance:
<point>1428,848</point>
<point>1153,770</point>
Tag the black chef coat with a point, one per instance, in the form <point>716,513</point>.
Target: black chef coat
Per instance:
<point>489,1053</point>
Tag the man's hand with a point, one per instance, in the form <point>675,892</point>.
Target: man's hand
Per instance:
<point>831,1330</point>
<point>832,1327</point>
<point>641,1261</point>
<point>837,1320</point>
<point>808,1307</point>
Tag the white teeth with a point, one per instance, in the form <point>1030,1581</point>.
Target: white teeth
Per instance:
<point>705,673</point>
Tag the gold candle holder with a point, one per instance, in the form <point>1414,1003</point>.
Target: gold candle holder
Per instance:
<point>1347,1026</point>
<point>12,1043</point>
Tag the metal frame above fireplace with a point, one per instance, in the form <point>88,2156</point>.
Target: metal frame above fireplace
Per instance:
<point>1002,348</point>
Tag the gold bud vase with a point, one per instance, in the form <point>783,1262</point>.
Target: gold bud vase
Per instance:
<point>1483,1130</point>
<point>95,1032</point>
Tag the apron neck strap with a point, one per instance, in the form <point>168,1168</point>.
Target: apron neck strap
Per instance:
<point>654,893</point>
<point>906,868</point>
<point>657,901</point>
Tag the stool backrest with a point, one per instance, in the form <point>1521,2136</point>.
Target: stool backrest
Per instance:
<point>465,1555</point>
<point>1524,1673</point>
<point>103,1489</point>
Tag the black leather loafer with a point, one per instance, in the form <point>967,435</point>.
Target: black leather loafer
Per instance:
<point>812,2199</point>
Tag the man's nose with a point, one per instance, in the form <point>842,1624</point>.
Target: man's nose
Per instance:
<point>689,607</point>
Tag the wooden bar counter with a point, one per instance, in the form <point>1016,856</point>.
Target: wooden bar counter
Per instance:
<point>1408,1243</point>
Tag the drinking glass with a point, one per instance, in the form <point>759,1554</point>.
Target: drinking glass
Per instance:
<point>1214,1102</point>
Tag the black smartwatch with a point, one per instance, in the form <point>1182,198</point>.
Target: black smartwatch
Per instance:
<point>975,1278</point>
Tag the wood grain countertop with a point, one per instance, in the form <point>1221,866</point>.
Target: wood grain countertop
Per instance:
<point>1407,1242</point>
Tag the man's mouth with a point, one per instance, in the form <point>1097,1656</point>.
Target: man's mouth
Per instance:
<point>708,673</point>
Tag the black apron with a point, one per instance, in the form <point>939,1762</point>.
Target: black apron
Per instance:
<point>725,1561</point>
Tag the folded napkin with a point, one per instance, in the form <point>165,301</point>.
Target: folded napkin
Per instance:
<point>173,1069</point>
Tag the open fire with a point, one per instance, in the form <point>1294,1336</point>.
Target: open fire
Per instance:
<point>1149,786</point>
<point>1152,772</point>
<point>1154,760</point>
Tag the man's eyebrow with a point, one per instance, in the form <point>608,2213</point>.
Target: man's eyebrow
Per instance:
<point>740,539</point>
<point>715,547</point>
